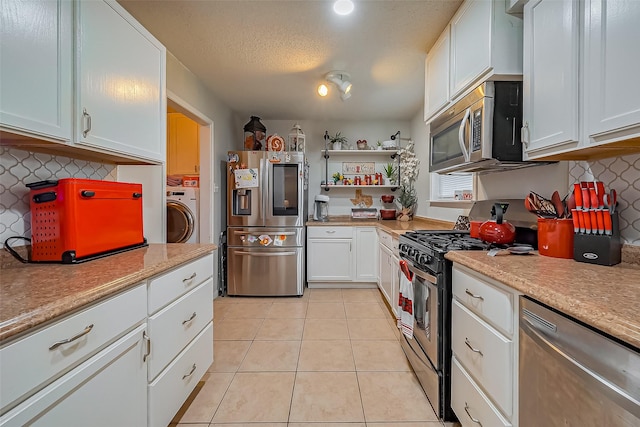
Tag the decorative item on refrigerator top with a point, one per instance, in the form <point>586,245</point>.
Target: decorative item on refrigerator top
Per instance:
<point>296,139</point>
<point>73,220</point>
<point>255,134</point>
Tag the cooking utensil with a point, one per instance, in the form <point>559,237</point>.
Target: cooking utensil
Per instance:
<point>496,230</point>
<point>571,204</point>
<point>611,200</point>
<point>576,220</point>
<point>600,220</point>
<point>557,204</point>
<point>541,206</point>
<point>586,199</point>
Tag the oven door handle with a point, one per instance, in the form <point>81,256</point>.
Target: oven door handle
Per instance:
<point>421,274</point>
<point>461,141</point>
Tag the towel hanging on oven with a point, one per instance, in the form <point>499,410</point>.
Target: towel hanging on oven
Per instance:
<point>404,314</point>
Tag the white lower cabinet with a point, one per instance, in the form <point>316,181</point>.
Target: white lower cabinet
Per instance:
<point>389,270</point>
<point>341,256</point>
<point>484,343</point>
<point>52,376</point>
<point>469,402</point>
<point>168,392</point>
<point>366,240</point>
<point>181,336</point>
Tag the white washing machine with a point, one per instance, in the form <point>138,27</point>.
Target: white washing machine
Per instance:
<point>183,206</point>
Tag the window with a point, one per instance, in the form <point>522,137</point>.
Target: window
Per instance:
<point>444,187</point>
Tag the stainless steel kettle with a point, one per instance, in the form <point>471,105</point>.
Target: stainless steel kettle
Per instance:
<point>321,208</point>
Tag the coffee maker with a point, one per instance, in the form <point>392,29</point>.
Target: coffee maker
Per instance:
<point>321,208</point>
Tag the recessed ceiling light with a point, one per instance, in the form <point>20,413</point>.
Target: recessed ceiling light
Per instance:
<point>343,7</point>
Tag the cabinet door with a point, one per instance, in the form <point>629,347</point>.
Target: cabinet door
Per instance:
<point>395,283</point>
<point>612,61</point>
<point>120,91</point>
<point>183,149</point>
<point>110,389</point>
<point>329,260</point>
<point>36,67</point>
<point>366,260</point>
<point>384,279</point>
<point>470,44</point>
<point>436,84</point>
<point>551,49</point>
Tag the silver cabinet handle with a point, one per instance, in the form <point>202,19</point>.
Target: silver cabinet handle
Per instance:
<point>146,338</point>
<point>73,338</point>
<point>193,276</point>
<point>475,420</point>
<point>472,295</point>
<point>86,116</point>
<point>331,231</point>
<point>475,350</point>
<point>193,369</point>
<point>193,316</point>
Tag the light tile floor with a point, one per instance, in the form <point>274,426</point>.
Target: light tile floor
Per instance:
<point>330,358</point>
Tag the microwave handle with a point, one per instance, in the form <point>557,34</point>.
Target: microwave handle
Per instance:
<point>461,140</point>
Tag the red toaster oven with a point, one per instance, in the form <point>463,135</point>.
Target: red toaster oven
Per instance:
<point>73,220</point>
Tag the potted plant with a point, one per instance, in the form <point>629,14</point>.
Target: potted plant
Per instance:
<point>337,140</point>
<point>407,200</point>
<point>389,172</point>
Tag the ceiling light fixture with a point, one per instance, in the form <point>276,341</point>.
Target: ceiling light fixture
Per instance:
<point>343,7</point>
<point>341,80</point>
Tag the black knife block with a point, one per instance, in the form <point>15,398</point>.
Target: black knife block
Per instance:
<point>597,248</point>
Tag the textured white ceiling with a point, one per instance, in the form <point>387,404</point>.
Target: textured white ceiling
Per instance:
<point>266,58</point>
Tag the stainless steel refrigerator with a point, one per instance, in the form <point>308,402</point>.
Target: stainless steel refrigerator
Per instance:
<point>266,212</point>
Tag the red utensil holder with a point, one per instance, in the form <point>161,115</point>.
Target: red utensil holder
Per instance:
<point>555,237</point>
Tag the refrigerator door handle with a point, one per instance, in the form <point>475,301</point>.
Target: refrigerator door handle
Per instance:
<point>258,254</point>
<point>279,233</point>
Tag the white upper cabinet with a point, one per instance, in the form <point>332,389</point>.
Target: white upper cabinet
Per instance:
<point>436,85</point>
<point>581,61</point>
<point>550,83</point>
<point>120,85</point>
<point>482,42</point>
<point>612,61</point>
<point>36,64</point>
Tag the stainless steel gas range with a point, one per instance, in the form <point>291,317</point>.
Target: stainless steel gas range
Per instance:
<point>429,352</point>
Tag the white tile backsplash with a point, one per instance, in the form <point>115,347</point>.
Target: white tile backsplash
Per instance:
<point>622,174</point>
<point>19,167</point>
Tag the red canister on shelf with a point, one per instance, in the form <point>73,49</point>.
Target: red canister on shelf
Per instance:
<point>357,181</point>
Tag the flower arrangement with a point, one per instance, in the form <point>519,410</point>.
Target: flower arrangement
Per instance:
<point>409,169</point>
<point>337,176</point>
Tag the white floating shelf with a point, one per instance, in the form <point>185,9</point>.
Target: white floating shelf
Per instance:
<point>362,152</point>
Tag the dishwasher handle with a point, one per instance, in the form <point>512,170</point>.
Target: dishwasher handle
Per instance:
<point>534,330</point>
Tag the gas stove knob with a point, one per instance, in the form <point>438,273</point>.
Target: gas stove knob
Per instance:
<point>412,252</point>
<point>403,248</point>
<point>424,259</point>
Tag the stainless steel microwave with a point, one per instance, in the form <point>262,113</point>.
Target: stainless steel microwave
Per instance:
<point>480,132</point>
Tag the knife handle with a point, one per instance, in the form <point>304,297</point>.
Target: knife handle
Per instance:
<point>600,219</point>
<point>580,219</point>
<point>576,220</point>
<point>577,194</point>
<point>600,190</point>
<point>587,222</point>
<point>608,227</point>
<point>594,221</point>
<point>585,199</point>
<point>594,198</point>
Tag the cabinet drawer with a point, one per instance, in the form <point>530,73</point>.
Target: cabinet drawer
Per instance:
<point>169,391</point>
<point>173,327</point>
<point>116,374</point>
<point>486,354</point>
<point>29,363</point>
<point>386,239</point>
<point>330,232</point>
<point>469,403</point>
<point>169,286</point>
<point>487,301</point>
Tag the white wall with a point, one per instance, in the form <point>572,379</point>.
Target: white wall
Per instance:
<point>314,131</point>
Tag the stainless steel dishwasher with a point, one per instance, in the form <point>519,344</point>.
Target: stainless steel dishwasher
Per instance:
<point>572,376</point>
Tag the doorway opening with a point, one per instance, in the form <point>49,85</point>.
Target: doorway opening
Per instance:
<point>191,156</point>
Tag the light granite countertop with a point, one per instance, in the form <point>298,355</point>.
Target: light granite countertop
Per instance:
<point>394,227</point>
<point>33,294</point>
<point>607,298</point>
